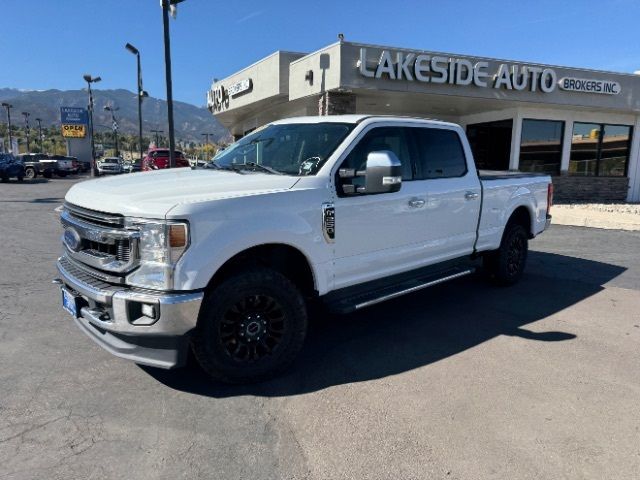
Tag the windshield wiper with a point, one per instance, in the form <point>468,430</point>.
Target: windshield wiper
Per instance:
<point>220,167</point>
<point>262,167</point>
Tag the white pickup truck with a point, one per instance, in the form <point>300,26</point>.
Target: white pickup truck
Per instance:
<point>349,210</point>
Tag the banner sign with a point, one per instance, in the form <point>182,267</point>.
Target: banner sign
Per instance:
<point>74,122</point>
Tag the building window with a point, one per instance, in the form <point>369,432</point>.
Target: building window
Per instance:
<point>541,146</point>
<point>600,150</point>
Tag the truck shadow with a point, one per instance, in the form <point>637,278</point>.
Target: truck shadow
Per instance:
<point>419,329</point>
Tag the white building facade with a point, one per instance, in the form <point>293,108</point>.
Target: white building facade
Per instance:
<point>581,126</point>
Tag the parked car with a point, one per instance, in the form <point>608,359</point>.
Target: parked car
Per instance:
<point>347,210</point>
<point>158,159</point>
<point>132,166</point>
<point>110,165</point>
<point>62,165</point>
<point>10,167</point>
<point>35,164</point>
<point>84,166</point>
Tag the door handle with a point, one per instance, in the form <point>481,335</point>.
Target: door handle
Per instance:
<point>416,203</point>
<point>471,195</point>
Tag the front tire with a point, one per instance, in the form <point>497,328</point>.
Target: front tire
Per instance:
<point>251,327</point>
<point>506,265</point>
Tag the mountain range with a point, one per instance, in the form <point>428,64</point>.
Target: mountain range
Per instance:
<point>190,121</point>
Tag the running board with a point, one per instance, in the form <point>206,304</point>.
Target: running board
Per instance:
<point>356,298</point>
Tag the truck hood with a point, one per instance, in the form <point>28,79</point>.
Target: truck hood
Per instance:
<point>153,194</point>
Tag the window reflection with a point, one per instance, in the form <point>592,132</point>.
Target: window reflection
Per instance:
<point>541,146</point>
<point>599,149</point>
<point>614,150</point>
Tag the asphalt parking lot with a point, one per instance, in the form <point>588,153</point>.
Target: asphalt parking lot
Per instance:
<point>462,381</point>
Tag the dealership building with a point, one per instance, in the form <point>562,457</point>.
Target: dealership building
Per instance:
<point>581,126</point>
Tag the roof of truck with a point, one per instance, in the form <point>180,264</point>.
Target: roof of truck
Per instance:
<point>358,119</point>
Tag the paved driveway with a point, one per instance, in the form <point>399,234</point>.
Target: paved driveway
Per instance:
<point>462,381</point>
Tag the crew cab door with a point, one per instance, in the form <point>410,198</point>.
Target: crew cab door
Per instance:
<point>431,219</point>
<point>378,234</point>
<point>445,171</point>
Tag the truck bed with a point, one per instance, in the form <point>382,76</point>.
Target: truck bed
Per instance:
<point>505,174</point>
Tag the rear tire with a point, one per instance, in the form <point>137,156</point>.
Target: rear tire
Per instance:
<point>251,327</point>
<point>506,265</point>
<point>30,173</point>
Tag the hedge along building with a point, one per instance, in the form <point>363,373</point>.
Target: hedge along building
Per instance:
<point>577,125</point>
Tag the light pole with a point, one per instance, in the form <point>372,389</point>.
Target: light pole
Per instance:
<point>141,93</point>
<point>206,135</point>
<point>26,123</point>
<point>8,106</point>
<point>89,79</point>
<point>166,5</point>
<point>114,125</point>
<point>39,120</point>
<point>157,138</point>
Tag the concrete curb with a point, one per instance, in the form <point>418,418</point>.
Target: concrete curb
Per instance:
<point>587,217</point>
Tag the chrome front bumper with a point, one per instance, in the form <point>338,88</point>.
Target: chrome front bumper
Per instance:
<point>111,316</point>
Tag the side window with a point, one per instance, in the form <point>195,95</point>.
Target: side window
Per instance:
<point>440,154</point>
<point>377,139</point>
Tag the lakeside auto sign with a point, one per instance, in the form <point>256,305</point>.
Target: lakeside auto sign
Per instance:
<point>74,122</point>
<point>461,71</point>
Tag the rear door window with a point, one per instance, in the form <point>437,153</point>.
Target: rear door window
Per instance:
<point>440,154</point>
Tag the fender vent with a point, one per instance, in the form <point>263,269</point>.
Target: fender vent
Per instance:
<point>329,222</point>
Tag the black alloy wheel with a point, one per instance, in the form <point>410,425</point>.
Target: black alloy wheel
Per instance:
<point>515,254</point>
<point>506,265</point>
<point>251,326</point>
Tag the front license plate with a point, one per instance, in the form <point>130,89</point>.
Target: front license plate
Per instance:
<point>69,302</point>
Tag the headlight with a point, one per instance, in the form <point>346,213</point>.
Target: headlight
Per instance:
<point>160,246</point>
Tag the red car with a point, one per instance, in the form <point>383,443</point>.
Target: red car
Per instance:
<point>158,159</point>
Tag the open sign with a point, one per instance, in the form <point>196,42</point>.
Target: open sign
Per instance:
<point>74,131</point>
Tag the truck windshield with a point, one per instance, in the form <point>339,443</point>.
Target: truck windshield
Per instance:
<point>290,149</point>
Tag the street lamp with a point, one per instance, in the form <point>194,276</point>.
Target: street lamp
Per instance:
<point>8,106</point>
<point>166,6</point>
<point>26,123</point>
<point>39,120</point>
<point>89,79</point>
<point>141,93</point>
<point>157,132</point>
<point>206,135</point>
<point>114,125</point>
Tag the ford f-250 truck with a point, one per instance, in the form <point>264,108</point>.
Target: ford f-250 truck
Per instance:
<point>350,210</point>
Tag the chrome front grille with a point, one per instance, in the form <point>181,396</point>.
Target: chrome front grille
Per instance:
<point>84,276</point>
<point>99,240</point>
<point>92,216</point>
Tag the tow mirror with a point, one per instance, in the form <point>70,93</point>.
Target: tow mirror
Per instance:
<point>383,173</point>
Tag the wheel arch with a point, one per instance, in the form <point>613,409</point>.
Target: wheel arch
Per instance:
<point>522,215</point>
<point>284,258</point>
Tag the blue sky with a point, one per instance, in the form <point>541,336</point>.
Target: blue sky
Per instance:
<point>52,43</point>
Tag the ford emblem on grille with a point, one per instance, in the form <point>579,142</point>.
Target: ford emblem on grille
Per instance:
<point>72,239</point>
